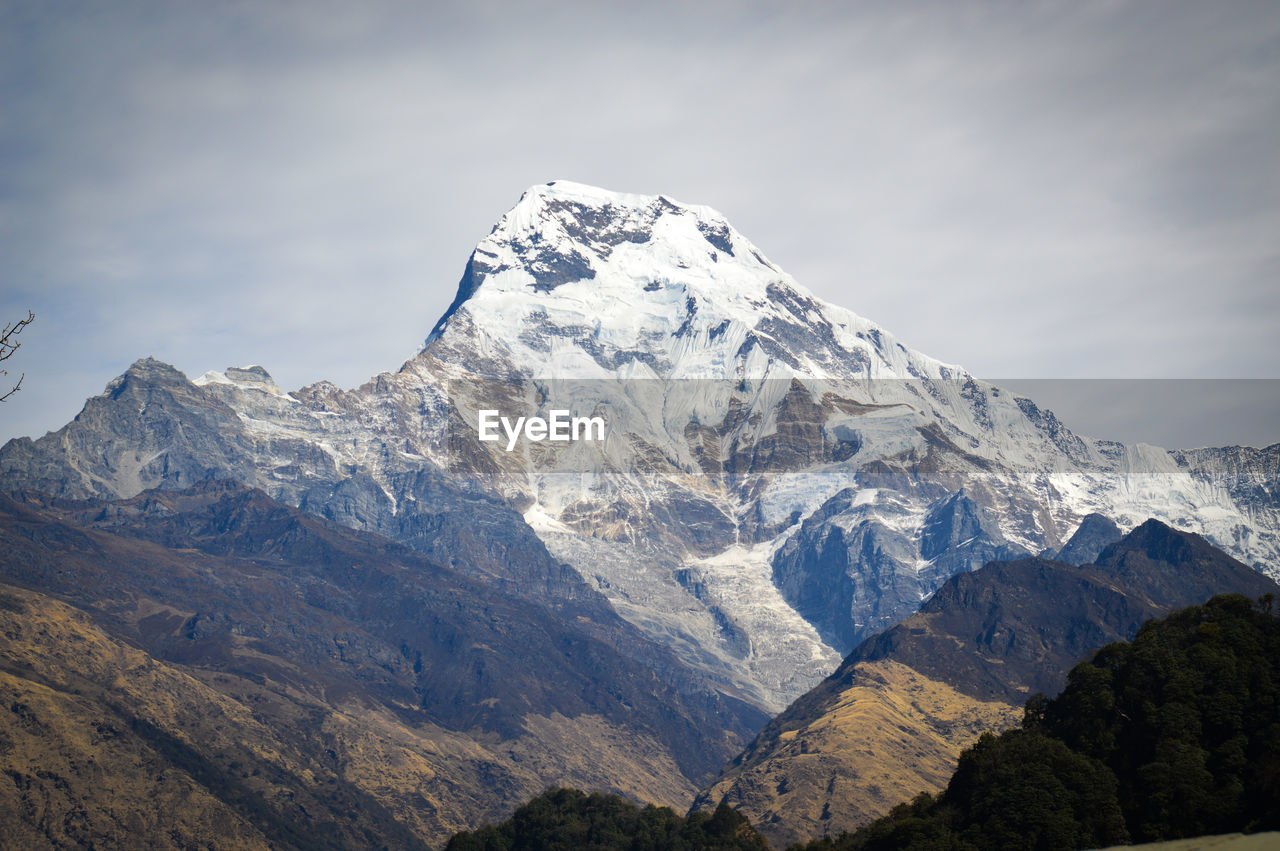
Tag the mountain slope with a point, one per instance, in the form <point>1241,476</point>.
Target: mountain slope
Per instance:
<point>106,745</point>
<point>781,478</point>
<point>1167,737</point>
<point>890,722</point>
<point>345,665</point>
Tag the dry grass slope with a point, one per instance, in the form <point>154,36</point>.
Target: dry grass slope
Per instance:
<point>892,734</point>
<point>102,743</point>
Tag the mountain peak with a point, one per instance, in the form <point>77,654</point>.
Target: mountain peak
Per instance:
<point>1093,535</point>
<point>243,378</point>
<point>566,232</point>
<point>1157,541</point>
<point>146,371</point>
<point>581,282</point>
<point>568,190</point>
<point>152,366</point>
<point>604,218</point>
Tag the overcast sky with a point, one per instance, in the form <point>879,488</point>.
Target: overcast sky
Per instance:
<point>1035,190</point>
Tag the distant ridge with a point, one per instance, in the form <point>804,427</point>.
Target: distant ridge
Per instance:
<point>985,640</point>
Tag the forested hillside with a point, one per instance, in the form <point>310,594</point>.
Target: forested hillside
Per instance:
<point>1176,734</point>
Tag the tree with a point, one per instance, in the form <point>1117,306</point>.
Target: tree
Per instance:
<point>570,820</point>
<point>9,345</point>
<point>1173,735</point>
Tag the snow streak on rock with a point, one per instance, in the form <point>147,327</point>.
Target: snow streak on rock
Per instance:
<point>780,477</point>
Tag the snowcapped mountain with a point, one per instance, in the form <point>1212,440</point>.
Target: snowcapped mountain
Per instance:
<point>779,478</point>
<point>579,282</point>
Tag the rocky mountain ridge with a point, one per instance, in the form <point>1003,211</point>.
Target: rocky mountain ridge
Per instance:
<point>891,720</point>
<point>782,478</point>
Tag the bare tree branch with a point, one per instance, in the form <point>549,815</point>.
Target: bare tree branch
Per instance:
<point>15,388</point>
<point>9,344</point>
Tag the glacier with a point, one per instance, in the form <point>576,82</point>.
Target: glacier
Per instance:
<point>781,477</point>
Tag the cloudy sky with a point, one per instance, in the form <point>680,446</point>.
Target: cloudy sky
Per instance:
<point>1032,190</point>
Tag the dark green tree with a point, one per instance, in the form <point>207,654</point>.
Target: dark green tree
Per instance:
<point>569,820</point>
<point>1188,718</point>
<point>1175,734</point>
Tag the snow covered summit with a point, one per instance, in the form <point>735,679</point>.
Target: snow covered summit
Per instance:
<point>577,281</point>
<point>780,479</point>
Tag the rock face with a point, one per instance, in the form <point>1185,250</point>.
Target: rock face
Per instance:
<point>890,722</point>
<point>288,682</point>
<point>1096,532</point>
<point>781,478</point>
<point>849,582</point>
